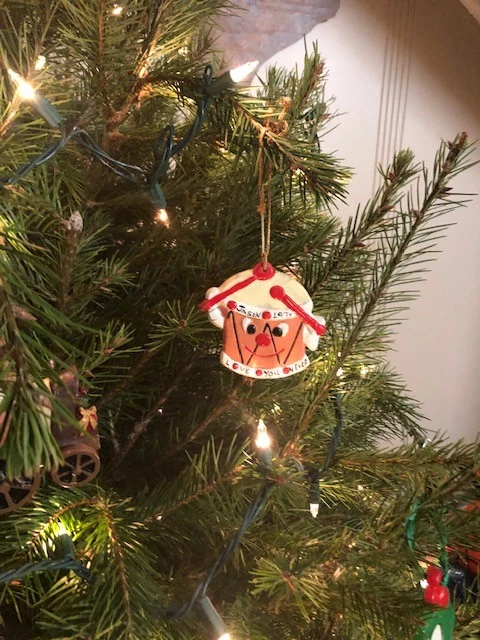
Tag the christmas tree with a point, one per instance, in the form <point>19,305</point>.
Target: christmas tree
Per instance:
<point>220,504</point>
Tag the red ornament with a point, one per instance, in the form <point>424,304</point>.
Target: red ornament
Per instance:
<point>435,593</point>
<point>434,575</point>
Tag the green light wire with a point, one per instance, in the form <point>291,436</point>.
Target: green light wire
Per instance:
<point>65,564</point>
<point>411,524</point>
<point>131,173</point>
<point>410,529</point>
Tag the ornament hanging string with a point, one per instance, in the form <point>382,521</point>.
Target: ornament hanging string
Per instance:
<point>265,203</point>
<point>279,127</point>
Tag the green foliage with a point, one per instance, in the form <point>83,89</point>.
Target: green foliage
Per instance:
<point>90,279</point>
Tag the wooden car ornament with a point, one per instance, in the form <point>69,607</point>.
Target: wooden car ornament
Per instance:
<point>79,447</point>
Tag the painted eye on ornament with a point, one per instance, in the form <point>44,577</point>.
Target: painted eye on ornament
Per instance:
<point>248,326</point>
<point>280,330</point>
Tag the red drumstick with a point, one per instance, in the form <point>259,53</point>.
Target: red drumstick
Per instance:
<point>278,293</point>
<point>259,273</point>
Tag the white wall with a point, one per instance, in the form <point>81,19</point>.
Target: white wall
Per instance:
<point>433,94</point>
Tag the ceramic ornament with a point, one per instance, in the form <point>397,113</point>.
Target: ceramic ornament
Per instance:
<point>267,322</point>
<point>438,623</point>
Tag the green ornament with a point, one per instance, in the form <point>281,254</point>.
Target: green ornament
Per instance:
<point>438,624</point>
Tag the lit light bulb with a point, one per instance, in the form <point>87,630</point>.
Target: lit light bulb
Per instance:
<point>40,63</point>
<point>363,371</point>
<point>158,517</point>
<point>44,107</point>
<point>117,10</point>
<point>340,372</point>
<point>424,584</point>
<point>214,618</point>
<point>25,90</point>
<point>240,73</point>
<point>360,487</point>
<point>314,509</point>
<point>263,440</point>
<point>64,543</point>
<point>162,216</point>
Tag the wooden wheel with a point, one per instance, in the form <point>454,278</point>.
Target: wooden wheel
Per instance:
<point>16,492</point>
<point>81,465</point>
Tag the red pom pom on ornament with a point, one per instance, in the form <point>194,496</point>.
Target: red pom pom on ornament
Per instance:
<point>434,575</point>
<point>435,593</point>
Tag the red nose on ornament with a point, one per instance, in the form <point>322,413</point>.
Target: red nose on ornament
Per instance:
<point>267,323</point>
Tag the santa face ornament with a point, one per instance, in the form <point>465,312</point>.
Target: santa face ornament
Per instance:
<point>267,323</point>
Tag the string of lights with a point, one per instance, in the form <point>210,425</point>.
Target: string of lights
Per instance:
<point>438,522</point>
<point>316,474</point>
<point>165,147</point>
<point>63,564</point>
<point>68,562</point>
<point>199,598</point>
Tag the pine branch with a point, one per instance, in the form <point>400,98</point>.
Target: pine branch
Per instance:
<point>139,428</point>
<point>123,384</point>
<point>134,98</point>
<point>366,226</point>
<point>101,8</point>
<point>216,464</point>
<point>319,171</point>
<point>203,491</point>
<point>56,515</point>
<point>120,561</point>
<point>19,425</point>
<point>223,405</point>
<point>436,192</point>
<point>73,230</point>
